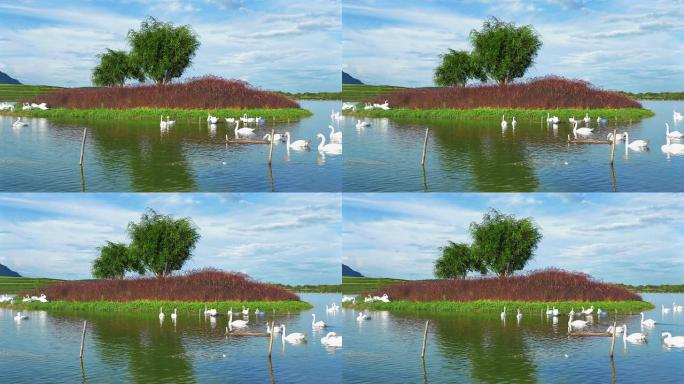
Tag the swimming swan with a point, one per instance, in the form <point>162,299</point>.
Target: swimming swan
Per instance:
<point>332,340</point>
<point>335,137</point>
<point>673,134</point>
<point>243,130</point>
<point>637,337</point>
<point>647,322</point>
<point>331,148</point>
<point>161,313</point>
<point>317,324</point>
<point>296,337</point>
<point>503,313</point>
<point>237,323</point>
<point>672,341</point>
<point>212,119</point>
<point>174,315</point>
<point>582,131</point>
<point>636,144</point>
<point>672,148</point>
<point>20,317</point>
<point>297,144</point>
<point>618,329</point>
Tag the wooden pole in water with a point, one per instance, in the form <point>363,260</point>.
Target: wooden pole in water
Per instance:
<point>427,322</point>
<point>270,148</point>
<point>85,322</point>
<point>612,148</point>
<point>612,341</point>
<point>270,340</point>
<point>85,130</point>
<point>422,162</point>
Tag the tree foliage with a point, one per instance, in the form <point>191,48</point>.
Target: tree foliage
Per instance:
<point>456,69</point>
<point>114,68</point>
<point>114,261</point>
<point>503,50</point>
<point>161,243</point>
<point>456,261</point>
<point>503,243</point>
<point>161,50</point>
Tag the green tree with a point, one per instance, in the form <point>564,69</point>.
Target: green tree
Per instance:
<point>114,69</point>
<point>114,261</point>
<point>503,243</point>
<point>456,262</point>
<point>161,243</point>
<point>504,51</point>
<point>162,50</point>
<point>456,69</point>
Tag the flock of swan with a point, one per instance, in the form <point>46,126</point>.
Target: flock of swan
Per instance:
<point>579,324</point>
<point>367,106</point>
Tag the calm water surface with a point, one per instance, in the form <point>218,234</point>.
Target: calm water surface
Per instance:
<point>479,156</point>
<point>136,156</point>
<point>475,348</point>
<point>137,348</point>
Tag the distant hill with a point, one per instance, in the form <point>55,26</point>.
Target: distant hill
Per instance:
<point>349,79</point>
<point>346,271</point>
<point>6,79</point>
<point>6,272</point>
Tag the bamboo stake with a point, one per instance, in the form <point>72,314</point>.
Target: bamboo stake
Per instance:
<point>612,341</point>
<point>270,148</point>
<point>424,147</point>
<point>85,130</point>
<point>612,148</point>
<point>427,322</point>
<point>85,322</point>
<point>270,340</point>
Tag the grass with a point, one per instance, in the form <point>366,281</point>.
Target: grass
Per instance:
<point>168,305</point>
<point>358,92</point>
<point>656,95</point>
<point>535,115</point>
<point>661,288</point>
<point>317,288</point>
<point>366,284</point>
<point>190,115</point>
<point>495,306</point>
<point>314,95</point>
<point>12,285</point>
<point>14,92</point>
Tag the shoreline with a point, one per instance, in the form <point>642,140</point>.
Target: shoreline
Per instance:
<point>177,114</point>
<point>152,306</point>
<point>495,306</point>
<point>534,115</point>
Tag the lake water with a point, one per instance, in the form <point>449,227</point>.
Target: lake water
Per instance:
<point>478,156</point>
<point>479,348</point>
<point>136,348</point>
<point>136,156</point>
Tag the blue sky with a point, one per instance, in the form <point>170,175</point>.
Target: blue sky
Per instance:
<point>273,44</point>
<point>622,44</point>
<point>283,238</point>
<point>627,237</point>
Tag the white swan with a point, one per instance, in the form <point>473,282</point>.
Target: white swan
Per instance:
<point>572,312</point>
<point>636,144</point>
<point>636,337</point>
<point>673,134</point>
<point>587,119</point>
<point>275,329</point>
<point>576,324</point>
<point>331,148</point>
<point>332,340</point>
<point>588,311</point>
<point>676,116</point>
<point>618,136</point>
<point>362,124</point>
<point>549,311</point>
<point>503,313</point>
<point>618,329</point>
<point>582,131</point>
<point>174,315</point>
<point>297,144</point>
<point>504,123</point>
<point>161,313</point>
<point>647,322</point>
<point>276,137</point>
<point>335,137</point>
<point>555,312</point>
<point>317,324</point>
<point>572,120</point>
<point>519,316</point>
<point>677,308</point>
<point>664,309</point>
<point>230,120</point>
<point>296,337</point>
<point>672,148</point>
<point>212,119</point>
<point>245,311</point>
<point>20,317</point>
<point>236,323</point>
<point>243,130</point>
<point>19,123</point>
<point>362,316</point>
<point>170,123</point>
<point>514,122</point>
<point>552,119</point>
<point>672,341</point>
<point>210,312</point>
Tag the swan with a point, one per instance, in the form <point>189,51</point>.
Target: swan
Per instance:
<point>572,120</point>
<point>293,337</point>
<point>555,312</point>
<point>245,311</point>
<point>332,309</point>
<point>275,329</point>
<point>636,337</point>
<point>672,148</point>
<point>170,123</point>
<point>331,148</point>
<point>348,299</point>
<point>26,106</point>
<point>672,341</point>
<point>297,144</point>
<point>664,309</point>
<point>243,130</point>
<point>636,144</point>
<point>210,312</point>
<point>673,134</point>
<point>230,120</point>
<point>19,123</point>
<point>552,119</point>
<point>549,311</point>
<point>587,119</point>
<point>212,119</point>
<point>362,124</point>
<point>504,123</point>
<point>335,115</point>
<point>618,329</point>
<point>677,308</point>
<point>503,313</point>
<point>588,311</point>
<point>174,315</point>
<point>514,122</point>
<point>317,324</point>
<point>161,313</point>
<point>384,298</point>
<point>236,323</point>
<point>20,317</point>
<point>519,315</point>
<point>582,131</point>
<point>676,116</point>
<point>576,324</point>
<point>572,312</point>
<point>246,119</point>
<point>362,316</point>
<point>647,322</point>
<point>276,137</point>
<point>601,313</point>
<point>335,137</point>
<point>259,312</point>
<point>618,136</point>
<point>332,340</point>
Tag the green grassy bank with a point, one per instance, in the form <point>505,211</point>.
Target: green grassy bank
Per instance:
<point>358,92</point>
<point>190,115</point>
<point>365,284</point>
<point>318,288</point>
<point>14,92</point>
<point>314,95</point>
<point>662,288</point>
<point>495,306</point>
<point>12,285</point>
<point>153,306</point>
<point>533,115</point>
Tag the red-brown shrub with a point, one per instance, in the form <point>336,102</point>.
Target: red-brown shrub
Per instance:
<point>546,285</point>
<point>200,93</point>
<point>203,285</point>
<point>540,93</point>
